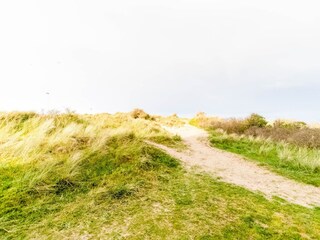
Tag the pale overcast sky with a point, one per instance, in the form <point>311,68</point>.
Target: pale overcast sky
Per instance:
<point>227,57</point>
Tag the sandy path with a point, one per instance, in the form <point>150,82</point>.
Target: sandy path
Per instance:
<point>233,169</point>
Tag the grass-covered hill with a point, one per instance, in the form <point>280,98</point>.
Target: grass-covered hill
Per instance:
<point>69,176</point>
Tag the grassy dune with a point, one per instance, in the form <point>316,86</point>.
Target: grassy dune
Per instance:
<point>93,177</point>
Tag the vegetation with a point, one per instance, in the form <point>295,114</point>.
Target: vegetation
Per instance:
<point>171,121</point>
<point>69,176</point>
<point>298,163</point>
<point>139,113</point>
<point>232,125</point>
<point>291,149</point>
<point>255,120</point>
<point>295,133</point>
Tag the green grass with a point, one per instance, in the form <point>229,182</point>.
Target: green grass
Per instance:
<point>163,202</point>
<point>154,199</point>
<point>94,177</point>
<point>300,164</point>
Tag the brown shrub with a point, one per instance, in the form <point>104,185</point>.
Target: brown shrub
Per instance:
<point>306,137</point>
<point>296,133</point>
<point>201,120</point>
<point>289,125</point>
<point>139,113</point>
<point>231,125</point>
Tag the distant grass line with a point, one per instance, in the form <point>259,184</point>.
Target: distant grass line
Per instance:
<point>301,164</point>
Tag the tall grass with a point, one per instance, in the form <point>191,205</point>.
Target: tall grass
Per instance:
<point>300,156</point>
<point>48,160</point>
<point>69,176</point>
<point>290,148</point>
<point>299,163</point>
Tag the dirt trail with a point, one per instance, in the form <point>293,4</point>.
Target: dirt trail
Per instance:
<point>233,169</point>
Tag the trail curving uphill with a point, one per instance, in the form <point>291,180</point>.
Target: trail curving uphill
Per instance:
<point>231,168</point>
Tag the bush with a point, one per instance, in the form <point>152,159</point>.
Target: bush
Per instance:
<point>289,125</point>
<point>255,120</point>
<point>201,120</point>
<point>296,133</point>
<point>233,126</point>
<point>305,138</point>
<point>139,113</point>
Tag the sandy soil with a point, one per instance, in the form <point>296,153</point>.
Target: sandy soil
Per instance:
<point>233,169</point>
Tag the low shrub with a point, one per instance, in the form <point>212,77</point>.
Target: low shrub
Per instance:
<point>139,113</point>
<point>289,125</point>
<point>296,133</point>
<point>255,120</point>
<point>232,125</point>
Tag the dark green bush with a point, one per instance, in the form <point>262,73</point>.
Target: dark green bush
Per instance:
<point>255,120</point>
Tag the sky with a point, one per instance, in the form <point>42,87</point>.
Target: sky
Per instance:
<point>222,57</point>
